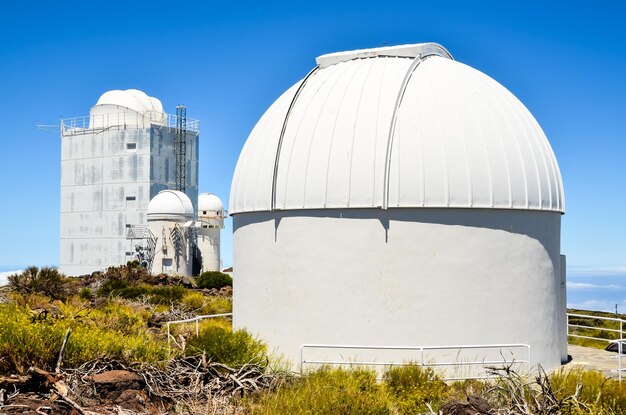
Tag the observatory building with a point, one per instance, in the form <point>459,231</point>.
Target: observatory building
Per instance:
<point>113,162</point>
<point>395,196</point>
<point>210,223</point>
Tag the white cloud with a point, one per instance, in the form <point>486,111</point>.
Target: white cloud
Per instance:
<point>583,286</point>
<point>596,272</point>
<point>4,276</point>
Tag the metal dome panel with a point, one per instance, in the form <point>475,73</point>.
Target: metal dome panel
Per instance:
<point>396,131</point>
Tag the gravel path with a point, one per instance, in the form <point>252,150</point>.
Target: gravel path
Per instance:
<point>591,358</point>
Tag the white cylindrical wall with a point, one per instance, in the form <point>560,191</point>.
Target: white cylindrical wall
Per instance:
<point>209,245</point>
<point>420,277</point>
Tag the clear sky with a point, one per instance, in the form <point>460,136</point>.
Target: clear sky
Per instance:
<point>228,61</point>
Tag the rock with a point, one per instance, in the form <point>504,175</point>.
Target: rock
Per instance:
<point>188,282</point>
<point>117,379</point>
<point>457,408</point>
<point>479,404</point>
<point>158,319</point>
<point>475,405</point>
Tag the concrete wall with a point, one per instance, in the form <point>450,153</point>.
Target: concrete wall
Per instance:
<point>400,277</point>
<point>107,179</point>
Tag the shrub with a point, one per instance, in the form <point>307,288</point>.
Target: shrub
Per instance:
<point>156,295</point>
<point>26,341</point>
<point>602,395</point>
<point>214,279</point>
<point>199,303</point>
<point>86,293</point>
<point>221,344</point>
<point>45,281</point>
<point>327,392</point>
<point>412,387</point>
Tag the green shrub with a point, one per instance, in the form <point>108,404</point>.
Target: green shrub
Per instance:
<point>412,387</point>
<point>327,392</point>
<point>221,344</point>
<point>45,281</point>
<point>85,293</point>
<point>214,279</point>
<point>155,294</point>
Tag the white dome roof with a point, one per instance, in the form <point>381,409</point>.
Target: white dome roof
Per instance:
<point>209,202</point>
<point>402,126</point>
<point>133,99</point>
<point>127,107</point>
<point>170,205</point>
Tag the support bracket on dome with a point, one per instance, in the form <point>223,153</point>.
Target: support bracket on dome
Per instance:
<point>434,50</point>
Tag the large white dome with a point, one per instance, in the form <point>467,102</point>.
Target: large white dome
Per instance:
<point>170,205</point>
<point>403,126</point>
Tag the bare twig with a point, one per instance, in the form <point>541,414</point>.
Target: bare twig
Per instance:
<point>60,359</point>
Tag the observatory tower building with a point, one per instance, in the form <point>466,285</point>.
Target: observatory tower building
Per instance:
<point>396,197</point>
<point>113,162</point>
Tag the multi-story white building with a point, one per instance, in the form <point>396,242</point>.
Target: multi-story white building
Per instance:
<point>112,163</point>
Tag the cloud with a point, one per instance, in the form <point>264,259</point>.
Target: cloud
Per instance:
<point>583,286</point>
<point>597,272</point>
<point>4,276</point>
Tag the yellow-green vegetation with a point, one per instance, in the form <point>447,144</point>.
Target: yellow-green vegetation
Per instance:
<point>34,338</point>
<point>115,315</point>
<point>599,395</point>
<point>222,344</point>
<point>412,387</point>
<point>598,332</point>
<point>327,392</point>
<point>413,390</point>
<point>404,390</point>
<point>199,303</point>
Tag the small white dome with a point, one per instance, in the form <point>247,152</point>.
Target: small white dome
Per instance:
<point>404,127</point>
<point>209,202</point>
<point>170,205</point>
<point>127,107</point>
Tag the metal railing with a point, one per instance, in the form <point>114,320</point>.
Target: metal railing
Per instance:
<point>192,320</point>
<point>619,333</point>
<point>120,121</point>
<point>422,359</point>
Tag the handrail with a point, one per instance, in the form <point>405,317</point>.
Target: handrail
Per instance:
<point>122,120</point>
<point>191,320</point>
<point>595,317</point>
<point>421,350</point>
<point>592,317</point>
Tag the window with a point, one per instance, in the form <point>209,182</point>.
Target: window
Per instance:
<point>131,198</point>
<point>131,146</point>
<point>128,225</point>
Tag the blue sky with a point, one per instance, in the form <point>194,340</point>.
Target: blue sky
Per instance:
<point>228,61</point>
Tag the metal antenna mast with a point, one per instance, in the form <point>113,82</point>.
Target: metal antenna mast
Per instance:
<point>180,147</point>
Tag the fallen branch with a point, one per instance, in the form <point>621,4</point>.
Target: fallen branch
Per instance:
<point>60,359</point>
